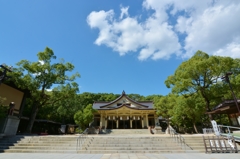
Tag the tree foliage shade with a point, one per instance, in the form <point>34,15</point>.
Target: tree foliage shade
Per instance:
<point>201,74</point>
<point>84,117</point>
<point>164,105</point>
<point>197,87</point>
<point>42,75</point>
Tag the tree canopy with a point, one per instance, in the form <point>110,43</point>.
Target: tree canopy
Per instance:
<point>196,87</point>
<point>201,74</point>
<point>42,75</point>
<point>84,117</point>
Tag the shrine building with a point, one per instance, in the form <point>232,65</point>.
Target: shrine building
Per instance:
<point>125,113</point>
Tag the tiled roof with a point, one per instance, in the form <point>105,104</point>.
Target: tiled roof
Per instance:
<point>103,105</point>
<point>226,107</point>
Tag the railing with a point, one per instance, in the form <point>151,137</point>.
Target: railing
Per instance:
<point>80,140</point>
<point>228,128</point>
<point>224,129</point>
<point>217,144</point>
<point>178,138</point>
<point>208,130</point>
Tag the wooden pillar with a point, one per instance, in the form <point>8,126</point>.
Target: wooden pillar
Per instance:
<point>106,121</point>
<point>147,120</point>
<point>117,123</point>
<point>101,120</point>
<point>131,123</point>
<point>142,122</point>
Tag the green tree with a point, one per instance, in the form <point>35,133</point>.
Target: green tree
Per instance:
<point>164,105</point>
<point>188,111</point>
<point>198,75</point>
<point>136,97</point>
<point>151,97</point>
<point>40,76</point>
<point>62,105</point>
<point>84,117</point>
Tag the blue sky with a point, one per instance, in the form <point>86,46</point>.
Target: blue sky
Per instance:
<point>119,45</point>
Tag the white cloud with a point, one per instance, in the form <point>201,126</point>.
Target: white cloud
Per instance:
<point>215,29</point>
<point>232,49</point>
<point>124,11</point>
<point>152,38</point>
<point>210,26</point>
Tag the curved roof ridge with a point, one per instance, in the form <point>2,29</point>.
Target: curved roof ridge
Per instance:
<point>125,105</point>
<point>123,95</point>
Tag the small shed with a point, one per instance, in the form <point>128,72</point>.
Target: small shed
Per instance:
<point>230,108</point>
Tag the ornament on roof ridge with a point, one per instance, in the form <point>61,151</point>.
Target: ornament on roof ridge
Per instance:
<point>123,92</point>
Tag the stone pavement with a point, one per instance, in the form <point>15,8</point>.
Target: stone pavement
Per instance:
<point>117,156</point>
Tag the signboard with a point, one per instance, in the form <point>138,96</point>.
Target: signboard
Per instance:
<point>215,127</point>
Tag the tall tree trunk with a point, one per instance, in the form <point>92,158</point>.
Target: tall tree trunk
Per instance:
<point>207,102</point>
<point>195,128</point>
<point>208,110</point>
<point>32,118</point>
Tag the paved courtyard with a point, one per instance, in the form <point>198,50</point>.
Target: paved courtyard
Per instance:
<point>118,156</point>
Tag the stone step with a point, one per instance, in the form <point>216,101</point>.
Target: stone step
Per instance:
<point>96,151</point>
<point>95,138</point>
<point>44,144</point>
<point>49,139</point>
<point>142,142</point>
<point>133,144</point>
<point>37,151</point>
<point>198,147</point>
<point>128,136</point>
<point>193,141</point>
<point>35,140</point>
<point>6,144</point>
<point>132,139</point>
<point>93,148</point>
<point>131,148</point>
<point>109,140</point>
<point>133,151</point>
<point>55,142</point>
<point>44,147</point>
<point>196,143</point>
<point>4,147</point>
<point>127,131</point>
<point>201,140</point>
<point>100,144</point>
<point>94,145</point>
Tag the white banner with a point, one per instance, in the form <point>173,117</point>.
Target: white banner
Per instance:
<point>215,127</point>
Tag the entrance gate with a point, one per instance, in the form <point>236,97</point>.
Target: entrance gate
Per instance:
<point>124,124</point>
<point>111,124</point>
<point>136,124</point>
